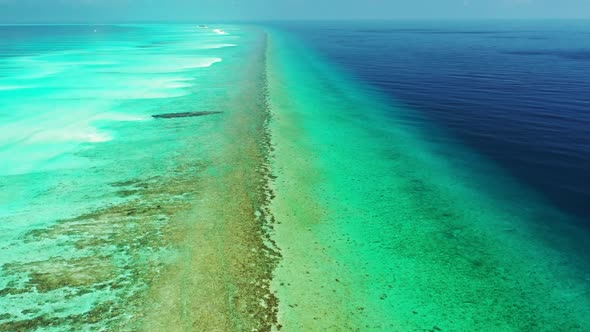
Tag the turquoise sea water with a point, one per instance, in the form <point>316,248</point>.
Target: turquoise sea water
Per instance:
<point>514,91</point>
<point>87,175</point>
<point>410,229</point>
<point>311,202</point>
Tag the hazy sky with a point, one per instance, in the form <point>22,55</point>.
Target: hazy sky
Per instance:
<point>225,10</point>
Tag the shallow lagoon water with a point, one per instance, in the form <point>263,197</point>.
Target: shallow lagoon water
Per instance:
<point>89,179</point>
<point>312,201</point>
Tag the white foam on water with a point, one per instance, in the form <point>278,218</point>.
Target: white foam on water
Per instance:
<point>15,87</point>
<point>38,143</point>
<point>170,64</point>
<point>73,63</point>
<point>170,90</point>
<point>178,85</point>
<point>191,45</point>
<point>162,82</point>
<point>34,142</point>
<point>40,130</point>
<point>220,32</point>
<point>81,133</point>
<point>216,46</point>
<point>122,86</point>
<point>44,121</point>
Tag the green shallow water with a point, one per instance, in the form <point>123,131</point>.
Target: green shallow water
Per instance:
<point>300,207</point>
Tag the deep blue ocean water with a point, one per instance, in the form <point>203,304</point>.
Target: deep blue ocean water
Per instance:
<point>517,92</point>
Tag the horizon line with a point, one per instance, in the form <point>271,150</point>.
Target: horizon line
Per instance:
<point>195,21</point>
